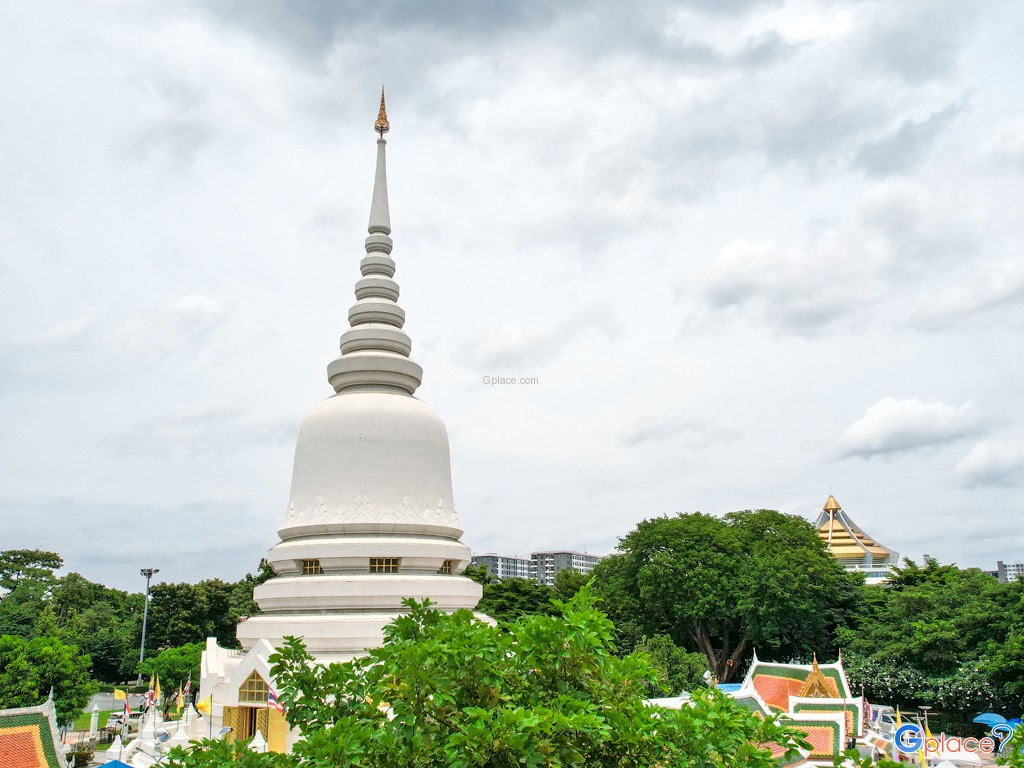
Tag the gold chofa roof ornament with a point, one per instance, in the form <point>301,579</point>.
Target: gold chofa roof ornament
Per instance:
<point>817,685</point>
<point>381,125</point>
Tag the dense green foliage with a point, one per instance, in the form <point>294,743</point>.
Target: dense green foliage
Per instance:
<point>568,582</point>
<point>174,665</point>
<point>189,613</point>
<point>690,592</point>
<point>1015,750</point>
<point>29,668</point>
<point>942,636</point>
<point>105,623</point>
<point>449,690</point>
<point>679,670</point>
<point>17,565</point>
<point>720,586</point>
<point>508,599</point>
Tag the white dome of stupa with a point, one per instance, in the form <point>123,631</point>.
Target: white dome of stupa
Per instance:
<point>371,519</point>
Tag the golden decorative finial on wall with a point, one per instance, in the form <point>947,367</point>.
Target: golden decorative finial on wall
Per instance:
<point>382,125</point>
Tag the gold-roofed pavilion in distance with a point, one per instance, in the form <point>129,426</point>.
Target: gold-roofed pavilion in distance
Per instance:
<point>853,548</point>
<point>381,125</point>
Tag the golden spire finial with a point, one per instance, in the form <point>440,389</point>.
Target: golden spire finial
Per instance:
<point>382,125</point>
<point>817,684</point>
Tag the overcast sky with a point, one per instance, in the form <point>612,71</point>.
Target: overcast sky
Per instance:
<point>749,250</point>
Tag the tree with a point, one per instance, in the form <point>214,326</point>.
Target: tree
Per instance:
<point>17,565</point>
<point>1014,749</point>
<point>189,613</point>
<point>450,690</point>
<point>679,670</point>
<point>508,599</point>
<point>720,586</point>
<point>174,665</point>
<point>568,582</point>
<point>30,668</point>
<point>940,635</point>
<point>106,623</point>
<point>242,602</point>
<point>20,609</point>
<point>481,574</point>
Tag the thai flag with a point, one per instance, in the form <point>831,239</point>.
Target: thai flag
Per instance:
<point>272,700</point>
<point>188,687</point>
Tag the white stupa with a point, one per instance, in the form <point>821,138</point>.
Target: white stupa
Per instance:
<point>371,520</point>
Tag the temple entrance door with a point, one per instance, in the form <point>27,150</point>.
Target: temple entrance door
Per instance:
<point>251,714</point>
<point>246,721</point>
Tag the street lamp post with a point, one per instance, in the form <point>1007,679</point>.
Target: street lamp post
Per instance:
<point>148,573</point>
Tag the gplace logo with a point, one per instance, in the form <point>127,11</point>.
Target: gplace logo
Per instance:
<point>910,739</point>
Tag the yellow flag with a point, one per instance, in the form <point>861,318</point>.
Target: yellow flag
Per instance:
<point>156,691</point>
<point>927,735</point>
<point>899,723</point>
<point>181,699</point>
<point>206,705</point>
<point>120,695</point>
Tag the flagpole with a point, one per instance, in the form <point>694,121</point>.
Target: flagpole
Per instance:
<point>266,741</point>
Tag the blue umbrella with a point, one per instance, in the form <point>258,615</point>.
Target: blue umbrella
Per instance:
<point>990,719</point>
<point>1014,722</point>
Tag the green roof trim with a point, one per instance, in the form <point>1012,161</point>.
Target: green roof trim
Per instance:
<point>41,724</point>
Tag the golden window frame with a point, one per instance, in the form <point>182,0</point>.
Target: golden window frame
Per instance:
<point>254,690</point>
<point>385,564</point>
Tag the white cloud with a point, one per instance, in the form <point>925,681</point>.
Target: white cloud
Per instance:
<point>186,188</point>
<point>199,433</point>
<point>186,324</point>
<point>893,426</point>
<point>693,434</point>
<point>534,344</point>
<point>855,273</point>
<point>60,335</point>
<point>996,290</point>
<point>1006,146</point>
<point>993,463</point>
<point>900,150</point>
<point>195,316</point>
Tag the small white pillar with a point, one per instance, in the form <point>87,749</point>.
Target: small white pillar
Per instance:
<point>94,721</point>
<point>115,750</point>
<point>258,743</point>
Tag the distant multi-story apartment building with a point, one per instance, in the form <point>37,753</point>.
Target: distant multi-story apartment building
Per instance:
<point>1009,571</point>
<point>540,566</point>
<point>504,566</point>
<point>544,565</point>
